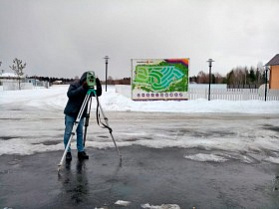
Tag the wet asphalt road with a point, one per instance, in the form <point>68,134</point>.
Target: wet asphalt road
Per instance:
<point>158,175</point>
<point>146,175</point>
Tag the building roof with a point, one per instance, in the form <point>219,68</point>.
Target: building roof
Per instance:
<point>273,61</point>
<point>8,75</point>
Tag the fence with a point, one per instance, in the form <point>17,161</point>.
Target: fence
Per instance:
<point>25,84</point>
<point>218,92</point>
<point>233,94</point>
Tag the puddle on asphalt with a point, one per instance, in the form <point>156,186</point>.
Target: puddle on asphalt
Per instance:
<point>271,128</point>
<point>276,184</point>
<point>5,138</point>
<point>47,143</point>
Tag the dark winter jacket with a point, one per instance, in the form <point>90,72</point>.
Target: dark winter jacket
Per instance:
<point>76,94</point>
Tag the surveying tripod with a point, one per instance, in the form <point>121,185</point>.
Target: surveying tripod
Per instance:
<point>91,83</point>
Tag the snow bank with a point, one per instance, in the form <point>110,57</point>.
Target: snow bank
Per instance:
<point>112,100</point>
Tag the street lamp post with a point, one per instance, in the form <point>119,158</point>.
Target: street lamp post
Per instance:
<point>210,65</point>
<point>106,58</point>
<point>266,80</point>
<point>2,71</point>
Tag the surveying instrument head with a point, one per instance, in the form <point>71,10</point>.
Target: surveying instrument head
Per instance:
<point>91,79</point>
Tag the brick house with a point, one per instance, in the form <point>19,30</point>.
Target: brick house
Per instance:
<point>274,72</point>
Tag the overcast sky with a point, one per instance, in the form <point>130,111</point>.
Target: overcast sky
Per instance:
<point>64,38</point>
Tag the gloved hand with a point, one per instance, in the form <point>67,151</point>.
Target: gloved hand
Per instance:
<point>85,85</point>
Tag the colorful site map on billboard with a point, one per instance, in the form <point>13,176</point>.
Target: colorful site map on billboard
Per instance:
<point>157,79</point>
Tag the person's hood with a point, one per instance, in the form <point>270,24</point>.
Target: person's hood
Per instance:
<point>83,77</point>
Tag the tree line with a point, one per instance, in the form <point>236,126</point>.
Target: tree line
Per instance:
<point>52,80</point>
<point>203,78</point>
<point>244,76</point>
<point>239,77</point>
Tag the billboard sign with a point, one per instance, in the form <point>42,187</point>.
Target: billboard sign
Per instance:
<point>159,79</point>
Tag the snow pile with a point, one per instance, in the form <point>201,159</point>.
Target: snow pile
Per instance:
<point>164,206</point>
<point>206,157</point>
<point>122,203</point>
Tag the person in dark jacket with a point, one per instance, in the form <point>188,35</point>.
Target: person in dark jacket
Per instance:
<point>76,94</point>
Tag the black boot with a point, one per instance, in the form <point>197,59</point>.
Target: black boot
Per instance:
<point>68,157</point>
<point>82,156</point>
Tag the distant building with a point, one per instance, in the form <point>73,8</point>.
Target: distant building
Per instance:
<point>10,81</point>
<point>56,82</point>
<point>274,72</point>
<point>4,75</point>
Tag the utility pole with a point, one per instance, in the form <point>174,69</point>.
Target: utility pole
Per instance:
<point>210,65</point>
<point>265,92</point>
<point>106,58</point>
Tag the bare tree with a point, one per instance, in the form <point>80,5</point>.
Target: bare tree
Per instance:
<point>110,80</point>
<point>243,76</point>
<point>202,77</point>
<point>1,72</point>
<point>260,72</point>
<point>218,78</point>
<point>18,67</point>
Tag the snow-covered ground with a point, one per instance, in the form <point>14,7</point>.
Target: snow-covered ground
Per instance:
<point>55,97</point>
<point>32,121</point>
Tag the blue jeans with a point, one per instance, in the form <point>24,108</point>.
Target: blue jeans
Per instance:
<point>69,123</point>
